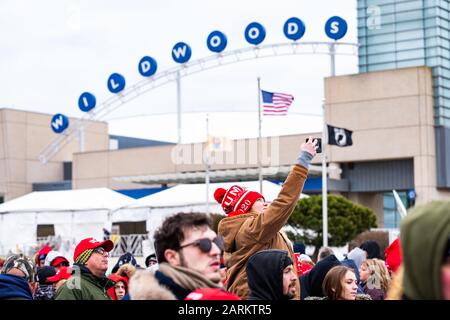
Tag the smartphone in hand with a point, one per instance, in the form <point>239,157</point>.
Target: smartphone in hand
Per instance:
<point>319,144</point>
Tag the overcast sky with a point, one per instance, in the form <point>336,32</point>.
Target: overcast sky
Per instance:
<point>53,50</point>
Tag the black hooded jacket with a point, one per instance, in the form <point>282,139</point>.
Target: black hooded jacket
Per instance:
<point>311,283</point>
<point>372,248</point>
<point>265,274</point>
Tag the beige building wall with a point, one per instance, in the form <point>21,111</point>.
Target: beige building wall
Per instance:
<point>105,166</point>
<point>23,135</point>
<point>391,115</point>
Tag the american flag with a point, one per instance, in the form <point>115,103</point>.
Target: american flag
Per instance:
<point>276,104</point>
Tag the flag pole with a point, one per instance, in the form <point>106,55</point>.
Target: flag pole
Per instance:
<point>324,156</point>
<point>324,181</point>
<point>207,164</point>
<point>259,138</point>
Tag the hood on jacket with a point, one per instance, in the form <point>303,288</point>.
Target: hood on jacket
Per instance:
<point>52,255</point>
<point>144,286</point>
<point>372,248</point>
<point>311,283</point>
<point>14,287</point>
<point>265,274</point>
<point>358,255</point>
<point>424,234</point>
<point>116,278</point>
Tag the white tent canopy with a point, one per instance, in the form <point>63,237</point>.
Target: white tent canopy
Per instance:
<point>75,214</point>
<point>188,198</point>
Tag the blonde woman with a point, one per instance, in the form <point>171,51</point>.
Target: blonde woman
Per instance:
<point>374,278</point>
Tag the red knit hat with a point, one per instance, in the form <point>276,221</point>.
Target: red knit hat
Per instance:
<point>211,294</point>
<point>236,198</point>
<point>393,255</point>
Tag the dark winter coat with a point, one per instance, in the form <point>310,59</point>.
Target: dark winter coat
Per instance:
<point>13,287</point>
<point>265,275</point>
<point>91,287</point>
<point>311,283</point>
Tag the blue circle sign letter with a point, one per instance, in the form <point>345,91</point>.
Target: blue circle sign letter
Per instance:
<point>181,52</point>
<point>294,28</point>
<point>59,123</point>
<point>336,28</point>
<point>86,102</point>
<point>255,33</point>
<point>116,83</point>
<point>216,41</point>
<point>147,66</point>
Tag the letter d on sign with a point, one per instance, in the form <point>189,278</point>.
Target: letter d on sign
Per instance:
<point>294,28</point>
<point>147,66</point>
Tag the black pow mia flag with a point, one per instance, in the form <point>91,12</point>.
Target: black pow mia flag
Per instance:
<point>340,137</point>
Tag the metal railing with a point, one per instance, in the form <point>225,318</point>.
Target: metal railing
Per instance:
<point>131,243</point>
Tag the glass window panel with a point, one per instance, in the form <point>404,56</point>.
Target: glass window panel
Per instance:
<point>409,25</point>
<point>409,15</point>
<point>431,22</point>
<point>381,58</point>
<point>384,28</point>
<point>408,35</point>
<point>430,11</point>
<point>430,42</point>
<point>411,63</point>
<point>381,39</point>
<point>382,66</point>
<point>431,32</point>
<point>412,44</point>
<point>410,54</point>
<point>382,48</point>
<point>431,62</point>
<point>409,5</point>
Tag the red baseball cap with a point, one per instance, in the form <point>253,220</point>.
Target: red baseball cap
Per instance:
<point>91,243</point>
<point>211,294</point>
<point>42,253</point>
<point>59,260</point>
<point>62,273</point>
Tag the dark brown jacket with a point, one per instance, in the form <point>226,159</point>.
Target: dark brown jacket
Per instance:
<point>249,233</point>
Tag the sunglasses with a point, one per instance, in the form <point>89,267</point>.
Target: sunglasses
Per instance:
<point>205,244</point>
<point>101,251</point>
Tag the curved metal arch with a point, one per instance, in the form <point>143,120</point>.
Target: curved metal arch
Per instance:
<point>189,68</point>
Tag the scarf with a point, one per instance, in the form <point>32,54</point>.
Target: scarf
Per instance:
<point>187,278</point>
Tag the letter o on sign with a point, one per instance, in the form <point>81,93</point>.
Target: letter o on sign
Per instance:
<point>255,33</point>
<point>336,28</point>
<point>216,41</point>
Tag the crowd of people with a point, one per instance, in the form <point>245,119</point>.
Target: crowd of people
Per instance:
<point>249,258</point>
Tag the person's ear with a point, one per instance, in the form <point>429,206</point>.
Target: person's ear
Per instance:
<point>172,257</point>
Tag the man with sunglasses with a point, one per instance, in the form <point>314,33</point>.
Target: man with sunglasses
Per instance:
<point>88,280</point>
<point>188,252</point>
<point>252,226</point>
